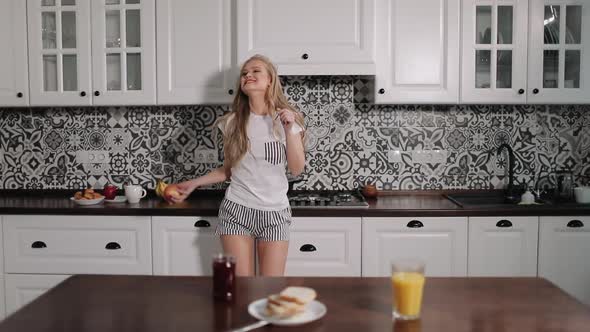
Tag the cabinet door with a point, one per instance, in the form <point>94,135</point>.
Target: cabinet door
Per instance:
<point>440,242</point>
<point>24,288</point>
<point>559,52</point>
<point>494,52</point>
<point>564,244</point>
<point>14,80</point>
<point>503,246</point>
<point>325,247</point>
<point>59,52</point>
<point>417,51</point>
<point>195,52</point>
<point>123,52</point>
<point>184,245</point>
<point>2,302</point>
<point>309,37</point>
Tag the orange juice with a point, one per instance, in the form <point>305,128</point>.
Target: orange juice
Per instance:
<point>407,293</point>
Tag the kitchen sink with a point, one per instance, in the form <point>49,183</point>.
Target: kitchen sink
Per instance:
<point>482,199</point>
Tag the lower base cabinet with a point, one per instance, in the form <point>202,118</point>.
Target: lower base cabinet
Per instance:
<point>441,242</point>
<point>564,254</point>
<point>20,289</point>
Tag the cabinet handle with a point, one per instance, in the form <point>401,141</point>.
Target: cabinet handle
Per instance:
<point>202,223</point>
<point>230,91</point>
<point>415,224</point>
<point>504,223</point>
<point>535,91</point>
<point>112,246</point>
<point>19,95</point>
<point>520,91</point>
<point>307,248</point>
<point>575,224</point>
<point>97,93</point>
<point>381,91</point>
<point>38,245</point>
<point>83,94</point>
<point>305,56</point>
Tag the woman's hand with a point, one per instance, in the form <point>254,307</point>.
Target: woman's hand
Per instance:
<point>287,118</point>
<point>184,190</point>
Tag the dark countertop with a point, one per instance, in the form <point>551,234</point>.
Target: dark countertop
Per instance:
<point>89,303</point>
<point>206,203</point>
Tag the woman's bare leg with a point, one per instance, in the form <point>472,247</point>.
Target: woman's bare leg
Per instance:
<point>242,248</point>
<point>272,257</point>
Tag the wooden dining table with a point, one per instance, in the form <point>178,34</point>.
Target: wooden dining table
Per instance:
<point>93,303</point>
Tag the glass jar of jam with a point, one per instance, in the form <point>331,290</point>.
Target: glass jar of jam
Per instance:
<point>224,277</point>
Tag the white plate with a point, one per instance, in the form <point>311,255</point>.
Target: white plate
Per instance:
<point>87,201</point>
<point>313,311</point>
<point>117,199</point>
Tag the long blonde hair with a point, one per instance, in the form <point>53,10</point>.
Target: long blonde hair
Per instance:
<point>235,137</point>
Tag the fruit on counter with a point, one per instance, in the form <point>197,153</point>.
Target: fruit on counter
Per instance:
<point>161,187</point>
<point>109,191</point>
<point>171,191</point>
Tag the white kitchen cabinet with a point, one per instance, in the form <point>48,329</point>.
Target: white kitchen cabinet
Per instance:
<point>323,246</point>
<point>441,242</point>
<point>309,37</point>
<point>195,52</point>
<point>503,246</point>
<point>417,52</point>
<point>14,78</point>
<point>77,244</point>
<point>120,69</point>
<point>564,246</point>
<point>22,289</point>
<point>2,302</point>
<point>184,245</point>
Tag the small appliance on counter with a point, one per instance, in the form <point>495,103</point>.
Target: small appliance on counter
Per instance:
<point>327,200</point>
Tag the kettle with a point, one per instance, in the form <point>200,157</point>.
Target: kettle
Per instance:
<point>565,185</point>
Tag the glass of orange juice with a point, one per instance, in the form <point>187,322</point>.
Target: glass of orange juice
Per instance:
<point>407,283</point>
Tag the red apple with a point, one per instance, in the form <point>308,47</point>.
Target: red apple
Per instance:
<point>109,191</point>
<point>171,191</point>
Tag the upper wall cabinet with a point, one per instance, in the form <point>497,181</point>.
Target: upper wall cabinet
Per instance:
<point>417,51</point>
<point>309,37</point>
<point>120,70</point>
<point>14,80</point>
<point>498,67</point>
<point>195,55</point>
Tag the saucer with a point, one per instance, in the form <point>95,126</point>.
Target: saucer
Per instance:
<point>117,199</point>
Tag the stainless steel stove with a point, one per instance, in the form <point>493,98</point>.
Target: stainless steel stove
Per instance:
<point>328,200</point>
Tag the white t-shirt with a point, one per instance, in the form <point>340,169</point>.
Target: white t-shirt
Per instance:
<point>259,180</point>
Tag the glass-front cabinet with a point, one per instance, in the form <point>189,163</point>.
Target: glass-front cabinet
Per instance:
<point>494,51</point>
<point>119,69</point>
<point>559,55</point>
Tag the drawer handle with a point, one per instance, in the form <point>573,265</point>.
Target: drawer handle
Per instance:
<point>38,245</point>
<point>307,248</point>
<point>415,224</point>
<point>202,223</point>
<point>575,224</point>
<point>504,223</point>
<point>112,246</point>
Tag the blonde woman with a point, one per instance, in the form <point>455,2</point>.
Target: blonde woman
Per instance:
<point>261,135</point>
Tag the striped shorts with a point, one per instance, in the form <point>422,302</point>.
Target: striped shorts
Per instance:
<point>236,219</point>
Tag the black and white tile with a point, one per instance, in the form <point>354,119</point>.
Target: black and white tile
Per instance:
<point>348,141</point>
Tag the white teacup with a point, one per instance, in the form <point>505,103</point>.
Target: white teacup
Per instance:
<point>134,193</point>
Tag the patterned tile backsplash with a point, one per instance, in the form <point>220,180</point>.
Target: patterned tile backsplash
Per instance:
<point>351,141</point>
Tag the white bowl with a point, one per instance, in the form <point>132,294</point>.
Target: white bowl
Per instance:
<point>582,195</point>
<point>87,201</point>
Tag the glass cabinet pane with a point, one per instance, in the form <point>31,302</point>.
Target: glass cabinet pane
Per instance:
<point>112,2</point>
<point>551,23</point>
<point>113,28</point>
<point>70,72</point>
<point>68,29</point>
<point>47,2</point>
<point>573,24</point>
<point>482,69</point>
<point>504,25</point>
<point>133,28</point>
<point>114,71</point>
<point>572,69</point>
<point>50,72</point>
<point>550,68</point>
<point>483,23</point>
<point>48,34</point>
<point>68,2</point>
<point>504,69</point>
<point>133,71</point>
<point>129,2</point>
